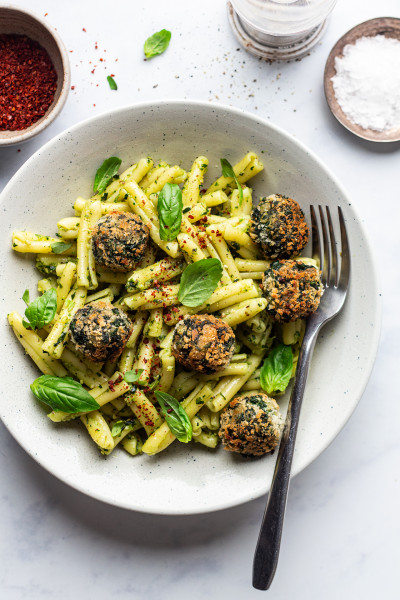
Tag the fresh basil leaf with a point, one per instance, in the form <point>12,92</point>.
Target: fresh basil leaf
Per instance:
<point>132,376</point>
<point>154,384</point>
<point>227,171</point>
<point>157,43</point>
<point>25,297</point>
<point>63,393</point>
<point>105,173</point>
<point>60,247</point>
<point>169,207</point>
<point>119,426</point>
<point>198,281</point>
<point>41,311</point>
<point>111,83</point>
<point>276,370</point>
<point>175,417</point>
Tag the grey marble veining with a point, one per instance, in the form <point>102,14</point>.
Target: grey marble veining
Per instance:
<point>343,524</point>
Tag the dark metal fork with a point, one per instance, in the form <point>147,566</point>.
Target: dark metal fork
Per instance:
<point>335,280</point>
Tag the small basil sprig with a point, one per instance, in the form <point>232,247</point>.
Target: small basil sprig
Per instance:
<point>63,393</point>
<point>198,281</point>
<point>105,173</point>
<point>60,247</point>
<point>41,311</point>
<point>169,207</point>
<point>276,370</point>
<point>227,171</point>
<point>111,83</point>
<point>157,43</point>
<point>152,386</point>
<point>132,376</point>
<point>175,417</point>
<point>119,426</point>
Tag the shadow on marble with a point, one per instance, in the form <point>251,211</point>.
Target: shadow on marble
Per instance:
<point>350,139</point>
<point>129,527</point>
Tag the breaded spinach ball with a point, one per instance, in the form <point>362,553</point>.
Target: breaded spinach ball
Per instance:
<point>119,241</point>
<point>203,343</point>
<point>279,227</point>
<point>293,290</point>
<point>251,424</point>
<point>100,331</point>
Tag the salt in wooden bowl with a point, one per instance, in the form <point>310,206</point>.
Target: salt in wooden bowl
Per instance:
<point>387,26</point>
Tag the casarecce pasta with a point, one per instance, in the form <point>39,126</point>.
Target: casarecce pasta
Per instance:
<point>215,223</point>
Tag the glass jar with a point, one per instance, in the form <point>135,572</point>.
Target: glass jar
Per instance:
<point>279,29</point>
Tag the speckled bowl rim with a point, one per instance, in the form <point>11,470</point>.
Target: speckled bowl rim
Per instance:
<point>246,494</point>
<point>48,118</point>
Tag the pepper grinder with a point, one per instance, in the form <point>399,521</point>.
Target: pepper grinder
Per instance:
<point>279,29</point>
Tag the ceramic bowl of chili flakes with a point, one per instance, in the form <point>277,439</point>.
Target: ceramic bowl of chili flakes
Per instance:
<point>34,74</point>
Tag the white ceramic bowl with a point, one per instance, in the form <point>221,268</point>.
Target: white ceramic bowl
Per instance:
<point>184,479</point>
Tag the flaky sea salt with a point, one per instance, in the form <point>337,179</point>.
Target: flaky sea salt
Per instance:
<point>367,82</point>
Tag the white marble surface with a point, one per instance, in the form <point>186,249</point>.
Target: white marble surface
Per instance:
<point>343,521</point>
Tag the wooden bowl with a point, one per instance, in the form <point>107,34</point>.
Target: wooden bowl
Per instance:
<point>387,26</point>
<point>14,20</point>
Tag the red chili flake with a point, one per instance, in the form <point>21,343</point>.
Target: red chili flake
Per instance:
<point>45,14</point>
<point>101,59</point>
<point>72,87</point>
<point>92,71</point>
<point>96,46</point>
<point>149,423</point>
<point>83,29</point>
<point>28,82</point>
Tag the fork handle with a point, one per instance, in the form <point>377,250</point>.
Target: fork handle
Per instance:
<point>267,550</point>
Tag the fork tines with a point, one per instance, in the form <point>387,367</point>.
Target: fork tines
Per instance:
<point>325,248</point>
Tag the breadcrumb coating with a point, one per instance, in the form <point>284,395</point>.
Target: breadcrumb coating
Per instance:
<point>203,343</point>
<point>279,227</point>
<point>119,241</point>
<point>293,290</point>
<point>100,331</point>
<point>251,424</point>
